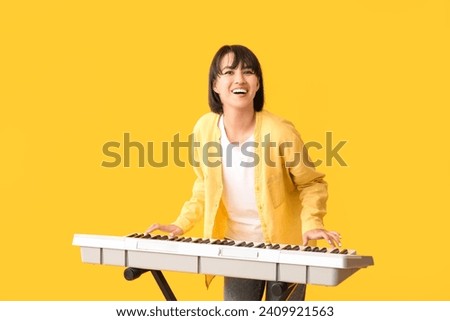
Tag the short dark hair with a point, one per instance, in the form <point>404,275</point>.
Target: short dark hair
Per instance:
<point>244,56</point>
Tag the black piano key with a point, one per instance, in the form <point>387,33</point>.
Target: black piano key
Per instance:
<point>241,244</point>
<point>180,239</point>
<point>229,242</point>
<point>307,249</point>
<point>187,239</point>
<point>249,244</point>
<point>345,251</point>
<point>316,249</point>
<point>146,236</point>
<point>287,247</point>
<point>275,246</point>
<point>216,242</point>
<point>132,235</point>
<point>335,251</point>
<point>205,241</point>
<point>296,248</point>
<point>260,246</point>
<point>197,241</point>
<point>323,250</point>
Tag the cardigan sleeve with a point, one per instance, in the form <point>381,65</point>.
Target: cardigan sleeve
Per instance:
<point>193,209</point>
<point>313,189</point>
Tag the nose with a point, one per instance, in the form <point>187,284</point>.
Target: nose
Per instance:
<point>239,77</point>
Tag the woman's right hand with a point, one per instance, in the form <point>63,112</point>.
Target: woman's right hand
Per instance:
<point>172,229</point>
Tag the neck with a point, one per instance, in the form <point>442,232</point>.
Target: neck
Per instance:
<point>239,124</point>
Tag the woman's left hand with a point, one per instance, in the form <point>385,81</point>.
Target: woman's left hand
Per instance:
<point>332,237</point>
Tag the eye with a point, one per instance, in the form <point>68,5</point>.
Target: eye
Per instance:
<point>249,72</point>
<point>227,72</point>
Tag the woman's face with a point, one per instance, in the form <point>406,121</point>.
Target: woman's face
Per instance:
<point>236,87</point>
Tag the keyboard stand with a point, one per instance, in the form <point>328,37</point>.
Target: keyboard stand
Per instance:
<point>278,289</point>
<point>131,274</point>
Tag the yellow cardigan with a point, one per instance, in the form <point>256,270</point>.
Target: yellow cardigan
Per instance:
<point>290,194</point>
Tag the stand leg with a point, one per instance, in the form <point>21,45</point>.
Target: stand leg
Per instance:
<point>163,285</point>
<point>133,273</point>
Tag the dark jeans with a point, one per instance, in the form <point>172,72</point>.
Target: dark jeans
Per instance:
<point>236,289</point>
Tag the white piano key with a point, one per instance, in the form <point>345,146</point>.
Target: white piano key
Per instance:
<point>162,246</point>
<point>176,248</point>
<point>315,259</point>
<point>237,252</point>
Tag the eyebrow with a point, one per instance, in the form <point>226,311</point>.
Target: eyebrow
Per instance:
<point>230,67</point>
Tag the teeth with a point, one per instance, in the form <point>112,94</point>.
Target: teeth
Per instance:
<point>239,91</point>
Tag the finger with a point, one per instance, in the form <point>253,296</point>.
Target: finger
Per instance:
<point>305,240</point>
<point>327,238</point>
<point>336,236</point>
<point>152,228</point>
<point>321,234</point>
<point>173,230</point>
<point>335,240</point>
<point>313,235</point>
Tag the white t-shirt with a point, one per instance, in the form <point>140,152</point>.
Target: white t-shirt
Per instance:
<point>239,189</point>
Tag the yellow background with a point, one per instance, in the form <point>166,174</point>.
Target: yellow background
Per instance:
<point>77,74</point>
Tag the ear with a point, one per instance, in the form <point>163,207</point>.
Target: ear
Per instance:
<point>215,87</point>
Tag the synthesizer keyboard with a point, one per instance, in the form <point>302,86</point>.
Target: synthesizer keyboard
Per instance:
<point>263,261</point>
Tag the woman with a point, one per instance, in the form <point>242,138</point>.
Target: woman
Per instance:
<point>260,187</point>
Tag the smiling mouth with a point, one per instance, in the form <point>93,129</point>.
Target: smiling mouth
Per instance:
<point>239,91</point>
